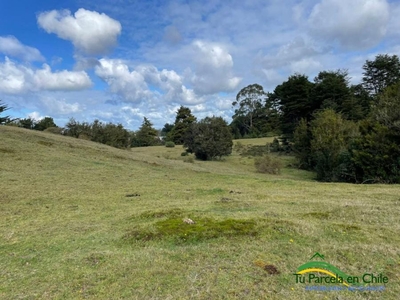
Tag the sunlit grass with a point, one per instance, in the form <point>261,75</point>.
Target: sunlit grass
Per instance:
<point>68,208</point>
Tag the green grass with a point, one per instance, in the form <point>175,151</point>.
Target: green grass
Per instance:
<point>74,217</point>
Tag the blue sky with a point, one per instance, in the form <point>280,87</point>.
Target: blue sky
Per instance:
<point>121,60</point>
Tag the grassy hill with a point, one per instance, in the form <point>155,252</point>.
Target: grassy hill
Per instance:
<point>80,220</point>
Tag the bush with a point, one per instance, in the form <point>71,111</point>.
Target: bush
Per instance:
<point>189,159</point>
<point>268,164</point>
<point>184,154</point>
<point>275,146</point>
<point>54,130</point>
<point>169,144</point>
<point>209,139</point>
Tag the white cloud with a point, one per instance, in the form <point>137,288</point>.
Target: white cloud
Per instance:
<point>214,69</point>
<point>131,86</point>
<point>355,24</point>
<point>295,50</point>
<point>306,66</point>
<point>144,83</point>
<point>11,46</point>
<point>35,116</point>
<point>62,80</point>
<point>89,31</point>
<point>17,79</point>
<point>55,105</point>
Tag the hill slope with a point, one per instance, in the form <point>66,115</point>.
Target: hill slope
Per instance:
<point>84,220</point>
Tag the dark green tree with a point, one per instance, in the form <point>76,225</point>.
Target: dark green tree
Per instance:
<point>44,123</point>
<point>249,109</point>
<point>357,106</point>
<point>380,73</point>
<point>209,139</point>
<point>165,131</point>
<point>330,137</point>
<point>146,135</point>
<point>294,101</point>
<point>330,90</point>
<point>76,129</point>
<point>184,118</point>
<point>302,145</point>
<point>116,136</point>
<point>27,123</point>
<point>4,119</point>
<point>376,153</point>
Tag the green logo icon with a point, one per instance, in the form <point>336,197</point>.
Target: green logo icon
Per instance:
<point>306,273</point>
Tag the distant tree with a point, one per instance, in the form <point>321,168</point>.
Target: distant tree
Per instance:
<point>184,118</point>
<point>302,145</point>
<point>330,90</point>
<point>165,131</point>
<point>4,119</point>
<point>116,136</point>
<point>44,124</point>
<point>209,139</point>
<point>376,153</point>
<point>274,114</point>
<point>357,106</point>
<point>27,123</point>
<point>387,109</point>
<point>330,137</point>
<point>294,101</point>
<point>75,129</point>
<point>380,73</point>
<point>108,134</point>
<point>250,111</point>
<point>146,135</point>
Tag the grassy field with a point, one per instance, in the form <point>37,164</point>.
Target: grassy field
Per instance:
<point>80,220</point>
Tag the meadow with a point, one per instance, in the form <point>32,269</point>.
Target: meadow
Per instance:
<point>80,220</point>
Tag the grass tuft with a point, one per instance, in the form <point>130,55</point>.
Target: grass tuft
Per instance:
<point>176,230</point>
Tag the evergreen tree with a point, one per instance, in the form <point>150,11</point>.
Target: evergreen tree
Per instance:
<point>146,135</point>
<point>44,123</point>
<point>294,101</point>
<point>4,119</point>
<point>182,123</point>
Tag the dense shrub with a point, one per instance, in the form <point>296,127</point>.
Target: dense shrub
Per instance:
<point>209,139</point>
<point>109,134</point>
<point>169,144</point>
<point>54,130</point>
<point>268,164</point>
<point>275,146</point>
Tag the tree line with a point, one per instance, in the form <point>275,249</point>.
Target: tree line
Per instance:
<point>207,139</point>
<point>344,132</point>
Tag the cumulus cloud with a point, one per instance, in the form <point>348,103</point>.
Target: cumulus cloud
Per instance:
<point>35,116</point>
<point>130,85</point>
<point>90,32</point>
<point>144,83</point>
<point>55,105</point>
<point>213,71</point>
<point>17,79</point>
<point>356,24</point>
<point>11,46</point>
<point>293,51</point>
